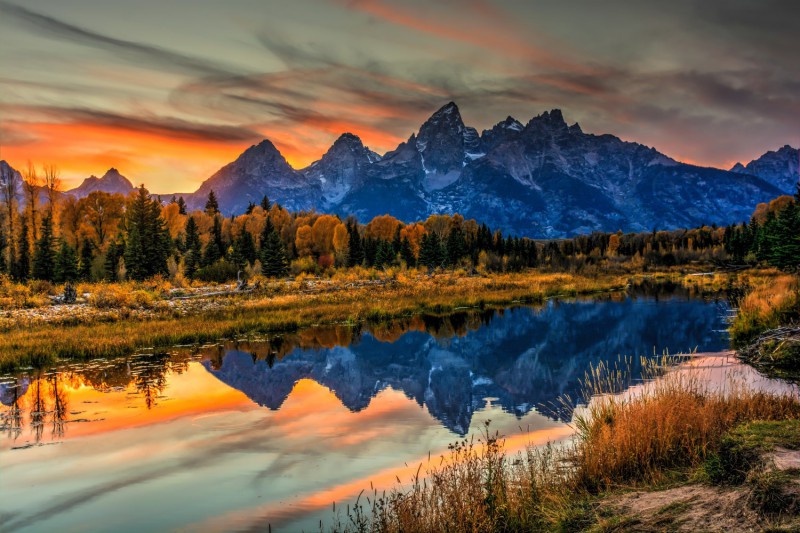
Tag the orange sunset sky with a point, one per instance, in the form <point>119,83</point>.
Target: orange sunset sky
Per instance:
<point>168,92</point>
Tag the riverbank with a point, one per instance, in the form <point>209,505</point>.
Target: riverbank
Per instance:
<point>766,329</point>
<point>82,332</point>
<point>117,319</point>
<point>675,454</point>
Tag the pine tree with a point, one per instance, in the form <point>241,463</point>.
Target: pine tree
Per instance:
<point>66,268</point>
<point>384,254</point>
<point>250,207</point>
<point>274,262</point>
<point>355,251</point>
<point>407,254</point>
<point>21,267</point>
<point>244,249</point>
<point>215,249</point>
<point>44,257</point>
<point>194,254</point>
<point>148,244</point>
<point>85,264</point>
<point>265,205</point>
<point>456,246</point>
<point>212,206</point>
<point>785,240</point>
<point>431,253</point>
<point>181,206</point>
<point>114,253</point>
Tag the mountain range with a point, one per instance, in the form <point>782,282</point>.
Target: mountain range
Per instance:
<point>544,178</point>
<point>541,179</point>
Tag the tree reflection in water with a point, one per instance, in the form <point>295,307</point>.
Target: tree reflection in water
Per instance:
<point>522,358</point>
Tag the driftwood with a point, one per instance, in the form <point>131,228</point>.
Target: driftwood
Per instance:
<point>777,339</point>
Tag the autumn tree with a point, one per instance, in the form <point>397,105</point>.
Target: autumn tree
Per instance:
<point>10,183</point>
<point>52,185</point>
<point>322,234</point>
<point>101,214</point>
<point>30,185</point>
<point>303,241</point>
<point>383,227</point>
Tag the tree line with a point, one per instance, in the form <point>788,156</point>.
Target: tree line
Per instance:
<point>111,237</point>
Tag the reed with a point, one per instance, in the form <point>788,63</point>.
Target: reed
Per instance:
<point>658,432</point>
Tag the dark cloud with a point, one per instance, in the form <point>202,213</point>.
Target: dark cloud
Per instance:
<point>142,55</point>
<point>166,126</point>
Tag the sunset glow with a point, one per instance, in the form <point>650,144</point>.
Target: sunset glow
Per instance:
<point>91,91</point>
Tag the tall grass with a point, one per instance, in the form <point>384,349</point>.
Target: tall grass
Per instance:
<point>771,302</point>
<point>637,438</point>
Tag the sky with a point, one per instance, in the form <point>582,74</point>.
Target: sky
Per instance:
<point>169,91</point>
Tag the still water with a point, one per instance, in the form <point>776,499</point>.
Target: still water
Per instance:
<point>242,435</point>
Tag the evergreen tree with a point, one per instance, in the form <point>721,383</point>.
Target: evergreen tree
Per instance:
<point>215,249</point>
<point>250,207</point>
<point>44,257</point>
<point>66,263</point>
<point>274,262</point>
<point>85,264</point>
<point>785,239</point>
<point>456,246</point>
<point>212,206</point>
<point>148,245</point>
<point>21,267</point>
<point>431,253</point>
<point>407,254</point>
<point>181,206</point>
<point>244,249</point>
<point>194,254</point>
<point>115,252</point>
<point>265,205</point>
<point>384,254</point>
<point>355,251</point>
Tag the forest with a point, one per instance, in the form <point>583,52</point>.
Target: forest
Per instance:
<point>47,235</point>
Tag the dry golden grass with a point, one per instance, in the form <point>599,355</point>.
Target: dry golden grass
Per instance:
<point>281,308</point>
<point>773,300</point>
<point>622,440</point>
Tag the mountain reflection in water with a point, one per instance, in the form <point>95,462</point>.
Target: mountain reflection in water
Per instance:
<point>289,423</point>
<point>521,358</point>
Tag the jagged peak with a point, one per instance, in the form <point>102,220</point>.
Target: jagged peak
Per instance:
<point>448,112</point>
<point>348,139</point>
<point>552,119</point>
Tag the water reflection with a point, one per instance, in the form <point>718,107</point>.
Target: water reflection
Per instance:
<point>246,434</point>
<point>520,359</point>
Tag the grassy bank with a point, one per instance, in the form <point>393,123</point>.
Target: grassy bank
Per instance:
<point>676,432</point>
<point>766,330</point>
<point>282,308</point>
